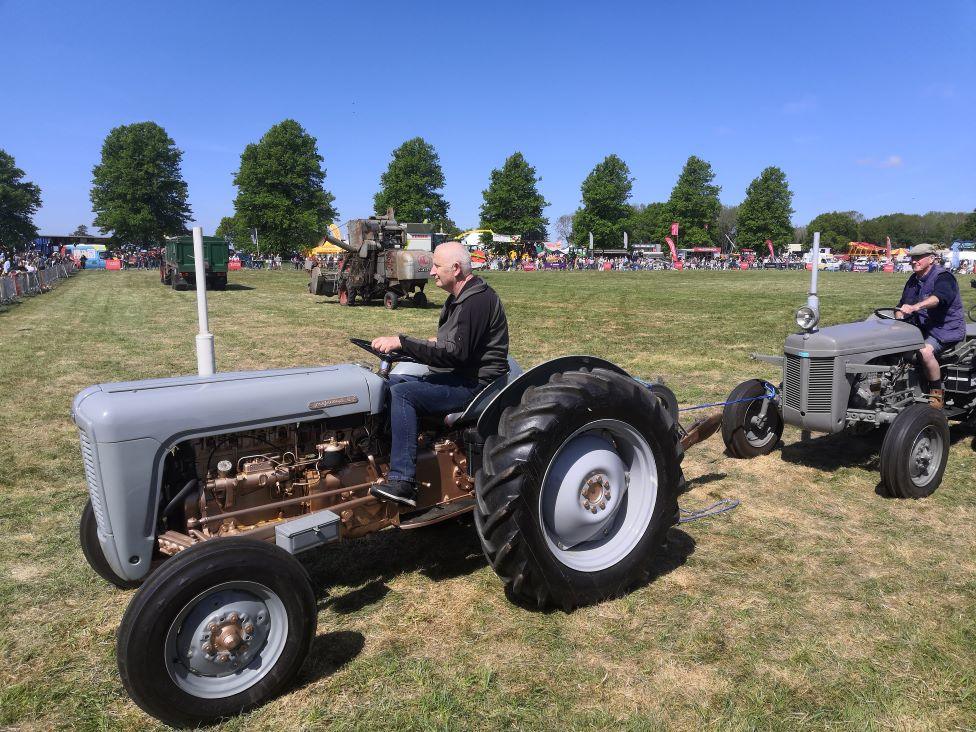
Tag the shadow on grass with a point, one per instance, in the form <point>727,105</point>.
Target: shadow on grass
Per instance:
<point>841,450</point>
<point>443,551</point>
<point>329,653</point>
<point>237,287</point>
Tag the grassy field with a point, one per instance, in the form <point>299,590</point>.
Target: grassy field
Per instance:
<point>816,604</point>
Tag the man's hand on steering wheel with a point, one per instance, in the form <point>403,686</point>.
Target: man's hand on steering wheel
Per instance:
<point>386,344</point>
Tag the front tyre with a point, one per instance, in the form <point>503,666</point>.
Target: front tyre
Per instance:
<point>578,489</point>
<point>88,537</point>
<point>748,432</point>
<point>915,452</point>
<point>220,628</point>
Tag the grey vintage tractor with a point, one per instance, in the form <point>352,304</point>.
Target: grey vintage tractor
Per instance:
<point>204,488</point>
<point>376,266</point>
<point>860,376</point>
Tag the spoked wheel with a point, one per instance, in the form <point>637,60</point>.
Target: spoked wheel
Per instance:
<point>88,537</point>
<point>915,452</point>
<point>391,300</point>
<point>221,627</point>
<point>578,489</point>
<point>748,431</point>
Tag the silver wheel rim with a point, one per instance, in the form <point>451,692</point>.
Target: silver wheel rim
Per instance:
<point>925,457</point>
<point>211,662</point>
<point>598,495</point>
<point>758,430</point>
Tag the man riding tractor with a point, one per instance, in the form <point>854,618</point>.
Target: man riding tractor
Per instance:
<point>469,352</point>
<point>932,296</point>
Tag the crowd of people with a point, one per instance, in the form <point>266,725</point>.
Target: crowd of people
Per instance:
<point>635,262</point>
<point>29,261</point>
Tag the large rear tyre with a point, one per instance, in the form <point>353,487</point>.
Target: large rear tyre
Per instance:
<point>578,489</point>
<point>88,537</point>
<point>915,452</point>
<point>220,628</point>
<point>747,432</point>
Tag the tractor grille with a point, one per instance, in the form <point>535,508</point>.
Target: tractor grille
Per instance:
<point>791,381</point>
<point>821,385</point>
<point>817,381</point>
<point>94,487</point>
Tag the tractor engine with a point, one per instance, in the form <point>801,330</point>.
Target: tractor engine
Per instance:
<point>248,482</point>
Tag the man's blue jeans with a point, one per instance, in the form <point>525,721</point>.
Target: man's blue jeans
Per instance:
<point>412,396</point>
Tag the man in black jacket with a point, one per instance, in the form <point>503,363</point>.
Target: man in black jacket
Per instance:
<point>469,352</point>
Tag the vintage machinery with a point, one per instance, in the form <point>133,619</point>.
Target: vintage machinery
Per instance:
<point>376,265</point>
<point>203,488</point>
<point>859,376</point>
<point>176,267</point>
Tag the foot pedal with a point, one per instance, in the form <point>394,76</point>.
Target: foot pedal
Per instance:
<point>438,513</point>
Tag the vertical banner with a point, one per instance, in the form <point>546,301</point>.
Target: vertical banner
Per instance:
<point>888,247</point>
<point>674,228</point>
<point>769,244</point>
<point>674,253</point>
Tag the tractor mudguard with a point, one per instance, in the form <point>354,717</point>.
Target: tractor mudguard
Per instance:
<point>536,376</point>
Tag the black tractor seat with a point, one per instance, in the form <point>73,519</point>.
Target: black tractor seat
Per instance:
<point>476,406</point>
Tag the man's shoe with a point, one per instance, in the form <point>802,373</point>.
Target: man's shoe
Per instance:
<point>937,398</point>
<point>398,491</point>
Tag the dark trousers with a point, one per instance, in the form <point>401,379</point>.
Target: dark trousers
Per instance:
<point>412,396</point>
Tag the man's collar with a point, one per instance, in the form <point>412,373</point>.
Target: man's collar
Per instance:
<point>475,284</point>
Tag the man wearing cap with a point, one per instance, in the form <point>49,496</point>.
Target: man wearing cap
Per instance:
<point>932,296</point>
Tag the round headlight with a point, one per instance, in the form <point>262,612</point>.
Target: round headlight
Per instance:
<point>807,318</point>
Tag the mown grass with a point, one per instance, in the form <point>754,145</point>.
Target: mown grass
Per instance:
<point>817,604</point>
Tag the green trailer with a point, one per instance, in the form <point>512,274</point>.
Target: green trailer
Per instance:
<point>177,267</point>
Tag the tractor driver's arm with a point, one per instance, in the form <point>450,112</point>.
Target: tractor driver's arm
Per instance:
<point>932,301</point>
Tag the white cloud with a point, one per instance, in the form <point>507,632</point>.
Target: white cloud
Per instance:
<point>892,161</point>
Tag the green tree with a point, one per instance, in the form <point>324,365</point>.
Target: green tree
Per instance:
<point>19,201</point>
<point>648,223</point>
<point>411,185</point>
<point>233,230</point>
<point>726,230</point>
<point>967,230</point>
<point>279,190</point>
<point>605,211</point>
<point>765,213</point>
<point>837,229</point>
<point>138,192</point>
<point>512,202</point>
<point>694,202</point>
<point>80,230</point>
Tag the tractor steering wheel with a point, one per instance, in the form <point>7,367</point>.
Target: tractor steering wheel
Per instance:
<point>889,314</point>
<point>387,358</point>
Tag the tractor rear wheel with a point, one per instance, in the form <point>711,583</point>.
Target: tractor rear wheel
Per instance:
<point>578,489</point>
<point>746,431</point>
<point>88,537</point>
<point>221,627</point>
<point>915,452</point>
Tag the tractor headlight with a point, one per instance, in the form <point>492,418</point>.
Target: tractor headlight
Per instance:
<point>807,318</point>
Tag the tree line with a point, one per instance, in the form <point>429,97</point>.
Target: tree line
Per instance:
<point>139,196</point>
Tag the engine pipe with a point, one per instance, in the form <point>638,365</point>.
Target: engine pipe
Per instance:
<point>180,497</point>
<point>813,302</point>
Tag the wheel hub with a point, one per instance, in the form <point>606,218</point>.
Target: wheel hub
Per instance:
<point>226,641</point>
<point>595,492</point>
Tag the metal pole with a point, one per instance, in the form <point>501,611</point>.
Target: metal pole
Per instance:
<point>813,302</point>
<point>205,340</point>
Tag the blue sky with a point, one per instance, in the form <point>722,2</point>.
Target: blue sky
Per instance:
<point>865,105</point>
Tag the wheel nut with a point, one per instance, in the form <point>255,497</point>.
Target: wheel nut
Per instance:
<point>212,627</point>
<point>232,618</point>
<point>249,628</point>
<point>208,648</point>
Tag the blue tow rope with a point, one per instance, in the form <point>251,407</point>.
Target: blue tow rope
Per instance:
<point>770,394</point>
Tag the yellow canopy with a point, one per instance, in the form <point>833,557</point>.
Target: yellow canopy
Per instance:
<point>325,247</point>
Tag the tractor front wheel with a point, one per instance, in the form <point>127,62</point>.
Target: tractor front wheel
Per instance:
<point>391,300</point>
<point>747,431</point>
<point>578,489</point>
<point>221,627</point>
<point>915,452</point>
<point>419,299</point>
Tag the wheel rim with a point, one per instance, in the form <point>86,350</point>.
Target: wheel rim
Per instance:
<point>925,457</point>
<point>758,429</point>
<point>598,495</point>
<point>226,639</point>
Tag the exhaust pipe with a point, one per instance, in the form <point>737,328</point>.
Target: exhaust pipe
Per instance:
<point>813,302</point>
<point>205,340</point>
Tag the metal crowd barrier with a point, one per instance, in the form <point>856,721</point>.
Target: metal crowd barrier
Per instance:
<point>17,285</point>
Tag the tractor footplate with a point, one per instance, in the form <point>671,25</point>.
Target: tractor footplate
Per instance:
<point>438,513</point>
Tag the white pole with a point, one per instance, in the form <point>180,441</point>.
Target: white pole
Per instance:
<point>813,302</point>
<point>205,340</point>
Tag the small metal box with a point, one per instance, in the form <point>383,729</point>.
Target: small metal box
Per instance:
<point>307,532</point>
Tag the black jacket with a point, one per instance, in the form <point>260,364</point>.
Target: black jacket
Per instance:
<point>472,336</point>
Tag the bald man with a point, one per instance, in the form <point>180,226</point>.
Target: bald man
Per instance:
<point>469,352</point>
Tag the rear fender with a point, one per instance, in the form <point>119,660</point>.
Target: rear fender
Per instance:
<point>536,376</point>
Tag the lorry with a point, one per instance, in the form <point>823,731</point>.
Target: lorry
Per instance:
<point>858,376</point>
<point>176,266</point>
